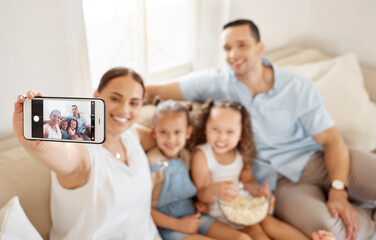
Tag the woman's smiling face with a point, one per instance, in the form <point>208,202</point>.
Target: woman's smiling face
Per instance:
<point>123,96</point>
<point>54,118</point>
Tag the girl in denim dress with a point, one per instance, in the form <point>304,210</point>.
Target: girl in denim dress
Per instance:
<point>173,209</point>
<point>64,129</point>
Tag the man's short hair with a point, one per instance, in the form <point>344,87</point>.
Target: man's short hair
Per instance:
<point>74,106</point>
<point>254,29</point>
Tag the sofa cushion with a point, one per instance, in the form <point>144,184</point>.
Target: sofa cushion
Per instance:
<point>294,55</point>
<point>308,55</point>
<point>370,82</point>
<point>147,112</point>
<point>340,82</point>
<point>14,223</point>
<point>29,180</point>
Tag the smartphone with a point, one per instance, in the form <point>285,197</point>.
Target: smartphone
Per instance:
<point>62,119</point>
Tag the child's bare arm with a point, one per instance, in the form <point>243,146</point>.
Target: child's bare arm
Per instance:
<point>246,175</point>
<point>201,177</point>
<point>206,190</point>
<point>189,224</point>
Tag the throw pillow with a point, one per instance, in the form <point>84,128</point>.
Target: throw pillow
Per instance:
<point>14,223</point>
<point>340,82</point>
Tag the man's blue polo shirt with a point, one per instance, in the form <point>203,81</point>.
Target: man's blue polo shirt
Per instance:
<point>284,119</point>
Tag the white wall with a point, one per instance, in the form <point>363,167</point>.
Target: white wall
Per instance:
<point>210,17</point>
<point>339,26</point>
<point>335,26</point>
<point>280,22</point>
<point>42,47</point>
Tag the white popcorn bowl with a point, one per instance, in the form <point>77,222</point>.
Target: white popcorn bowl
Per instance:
<point>245,210</point>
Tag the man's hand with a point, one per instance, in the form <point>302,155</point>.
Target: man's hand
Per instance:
<point>339,206</point>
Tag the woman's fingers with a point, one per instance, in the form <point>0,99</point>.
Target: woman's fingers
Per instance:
<point>31,94</point>
<point>18,115</point>
<point>20,98</point>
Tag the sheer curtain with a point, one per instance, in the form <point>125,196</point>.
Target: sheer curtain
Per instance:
<point>211,15</point>
<point>152,37</point>
<point>78,63</point>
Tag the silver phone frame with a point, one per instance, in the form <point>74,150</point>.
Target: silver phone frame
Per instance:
<point>100,123</point>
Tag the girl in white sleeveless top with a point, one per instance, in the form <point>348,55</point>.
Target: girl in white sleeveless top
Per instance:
<point>101,191</point>
<point>223,158</point>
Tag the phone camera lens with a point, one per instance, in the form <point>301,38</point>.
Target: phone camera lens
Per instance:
<point>36,118</point>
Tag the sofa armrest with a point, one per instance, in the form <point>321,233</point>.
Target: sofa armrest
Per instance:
<point>29,180</point>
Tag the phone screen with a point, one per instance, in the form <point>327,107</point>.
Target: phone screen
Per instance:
<point>63,119</point>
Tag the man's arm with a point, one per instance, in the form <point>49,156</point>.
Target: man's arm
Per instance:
<point>337,161</point>
<point>337,156</point>
<point>165,91</point>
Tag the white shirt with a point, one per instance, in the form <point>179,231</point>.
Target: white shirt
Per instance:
<point>114,204</point>
<point>52,133</point>
<point>72,131</point>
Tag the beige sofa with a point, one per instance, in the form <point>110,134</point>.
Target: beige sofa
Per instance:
<point>30,181</point>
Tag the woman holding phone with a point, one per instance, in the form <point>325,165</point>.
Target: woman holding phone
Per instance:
<point>100,191</point>
<point>51,129</point>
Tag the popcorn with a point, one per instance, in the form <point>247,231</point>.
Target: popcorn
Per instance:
<point>245,211</point>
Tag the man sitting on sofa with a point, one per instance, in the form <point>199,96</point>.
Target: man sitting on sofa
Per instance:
<point>83,129</point>
<point>302,156</point>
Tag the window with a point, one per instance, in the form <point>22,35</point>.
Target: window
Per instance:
<point>155,38</point>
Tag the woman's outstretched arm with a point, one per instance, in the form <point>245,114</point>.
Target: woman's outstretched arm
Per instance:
<point>70,161</point>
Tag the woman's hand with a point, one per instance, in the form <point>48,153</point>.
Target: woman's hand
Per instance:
<point>189,224</point>
<point>18,119</point>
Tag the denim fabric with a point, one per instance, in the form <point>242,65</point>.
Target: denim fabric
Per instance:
<point>167,234</point>
<point>64,134</point>
<point>175,199</point>
<point>177,185</point>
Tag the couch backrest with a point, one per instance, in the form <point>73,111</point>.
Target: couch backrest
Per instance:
<point>29,180</point>
<point>370,82</point>
<point>295,55</point>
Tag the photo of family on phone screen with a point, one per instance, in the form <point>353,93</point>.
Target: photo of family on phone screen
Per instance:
<point>68,120</point>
